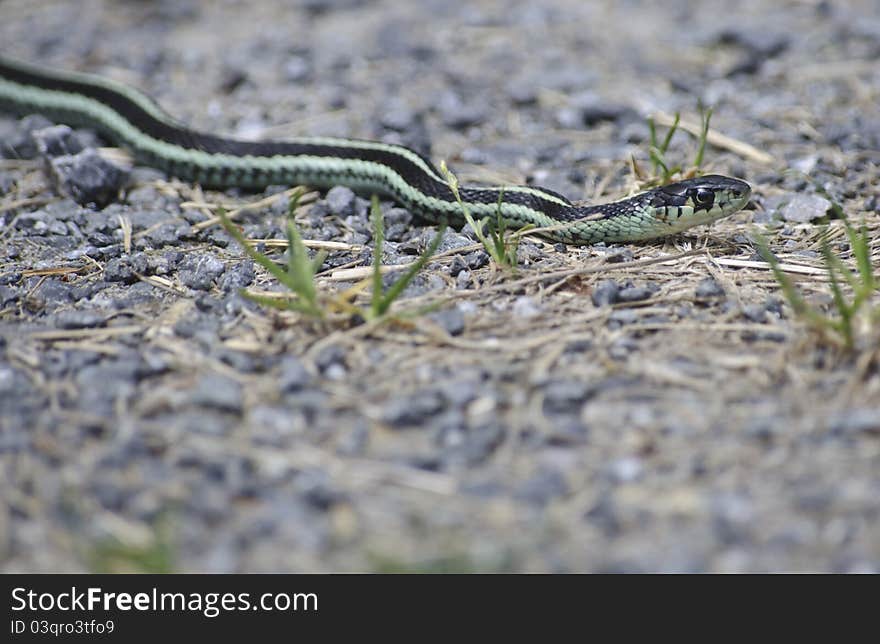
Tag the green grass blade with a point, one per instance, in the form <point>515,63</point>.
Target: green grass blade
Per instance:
<point>858,241</point>
<point>670,134</point>
<point>271,267</point>
<point>376,302</point>
<point>397,288</point>
<point>282,304</point>
<point>706,116</point>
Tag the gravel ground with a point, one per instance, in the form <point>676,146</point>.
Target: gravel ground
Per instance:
<point>592,412</point>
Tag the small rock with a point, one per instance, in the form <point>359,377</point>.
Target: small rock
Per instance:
<point>56,141</point>
<point>341,201</point>
<point>7,182</point>
<point>168,234</point>
<point>239,276</point>
<point>293,375</point>
<point>219,392</point>
<point>163,264</point>
<point>626,470</point>
<point>79,320</point>
<point>414,409</point>
<point>471,446</point>
<point>635,293</point>
<point>863,420</point>
<point>803,208</point>
<point>398,117</point>
<point>593,110</point>
<point>329,356</point>
<point>605,293</point>
<point>451,319</point>
<point>7,295</point>
<point>126,269</point>
<point>525,307</point>
<point>708,287</point>
<point>522,93</point>
<point>622,317</point>
<point>463,279</point>
<point>566,396</point>
<point>458,114</point>
<point>199,271</point>
<point>545,486</point>
<point>459,393</point>
<point>297,69</point>
<point>87,177</point>
<point>19,144</point>
<point>755,313</point>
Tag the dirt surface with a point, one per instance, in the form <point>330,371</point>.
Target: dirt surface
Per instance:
<point>593,411</point>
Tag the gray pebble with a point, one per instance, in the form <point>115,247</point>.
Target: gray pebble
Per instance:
<point>471,446</point>
<point>566,396</point>
<point>459,393</point>
<point>293,375</point>
<point>8,295</point>
<point>398,117</point>
<point>168,234</point>
<point>605,293</point>
<point>126,269</point>
<point>7,182</point>
<point>458,114</point>
<point>163,264</point>
<point>341,201</point>
<point>218,392</point>
<point>635,293</point>
<point>626,470</point>
<point>451,319</point>
<point>79,319</point>
<point>755,312</point>
<point>238,276</point>
<point>297,69</point>
<point>804,208</point>
<point>199,271</point>
<point>567,432</point>
<point>19,144</point>
<point>708,287</point>
<point>543,487</point>
<point>413,409</point>
<point>87,177</point>
<point>56,141</point>
<point>622,317</point>
<point>463,279</point>
<point>399,216</point>
<point>525,307</point>
<point>863,420</point>
<point>328,356</point>
<point>50,294</point>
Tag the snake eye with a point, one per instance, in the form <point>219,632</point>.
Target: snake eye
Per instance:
<point>703,198</point>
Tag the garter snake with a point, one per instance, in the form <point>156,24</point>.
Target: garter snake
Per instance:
<point>129,118</point>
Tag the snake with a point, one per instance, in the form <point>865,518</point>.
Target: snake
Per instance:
<point>129,118</point>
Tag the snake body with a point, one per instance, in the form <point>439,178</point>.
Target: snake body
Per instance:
<point>131,119</point>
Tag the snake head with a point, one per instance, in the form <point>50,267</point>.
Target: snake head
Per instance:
<point>700,200</point>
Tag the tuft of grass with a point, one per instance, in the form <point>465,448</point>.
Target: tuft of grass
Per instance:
<point>501,246</point>
<point>842,324</point>
<point>381,299</point>
<point>662,170</point>
<point>299,275</point>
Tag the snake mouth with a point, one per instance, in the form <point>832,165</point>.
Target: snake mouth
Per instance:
<point>699,200</point>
